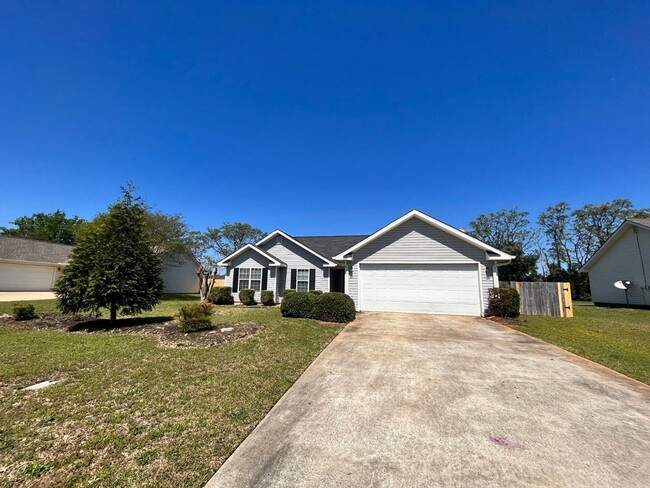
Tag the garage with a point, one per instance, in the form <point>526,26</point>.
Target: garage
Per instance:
<point>420,288</point>
<point>23,277</point>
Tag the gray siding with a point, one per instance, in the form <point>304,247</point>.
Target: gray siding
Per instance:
<point>622,262</point>
<point>296,257</point>
<point>250,259</point>
<point>415,242</point>
<point>180,278</point>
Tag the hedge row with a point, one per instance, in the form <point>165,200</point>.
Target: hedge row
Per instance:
<point>328,307</point>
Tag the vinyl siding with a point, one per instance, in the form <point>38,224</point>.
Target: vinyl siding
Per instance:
<point>250,259</point>
<point>622,262</point>
<point>295,257</point>
<point>415,242</point>
<point>180,278</point>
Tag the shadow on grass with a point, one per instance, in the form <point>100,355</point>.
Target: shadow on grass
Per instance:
<point>182,297</point>
<point>105,324</point>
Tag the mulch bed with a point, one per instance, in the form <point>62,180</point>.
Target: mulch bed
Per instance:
<point>165,329</point>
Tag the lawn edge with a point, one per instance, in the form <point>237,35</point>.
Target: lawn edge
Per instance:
<point>578,358</point>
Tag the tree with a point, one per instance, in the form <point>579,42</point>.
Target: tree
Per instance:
<point>170,236</point>
<point>504,228</point>
<point>53,227</point>
<point>509,231</point>
<point>226,239</point>
<point>113,265</point>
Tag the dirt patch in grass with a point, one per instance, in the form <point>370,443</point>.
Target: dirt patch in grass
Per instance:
<point>165,329</point>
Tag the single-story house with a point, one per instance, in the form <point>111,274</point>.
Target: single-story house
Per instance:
<point>625,256</point>
<point>414,264</point>
<point>31,265</point>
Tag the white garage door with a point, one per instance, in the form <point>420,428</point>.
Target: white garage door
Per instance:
<point>426,288</point>
<point>22,277</point>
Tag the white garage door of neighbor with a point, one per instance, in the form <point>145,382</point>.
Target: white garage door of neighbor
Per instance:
<point>22,277</point>
<point>425,288</point>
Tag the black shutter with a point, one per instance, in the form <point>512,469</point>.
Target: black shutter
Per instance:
<point>293,279</point>
<point>265,275</point>
<point>312,279</point>
<point>235,279</point>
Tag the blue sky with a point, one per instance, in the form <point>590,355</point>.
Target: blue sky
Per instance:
<point>323,117</point>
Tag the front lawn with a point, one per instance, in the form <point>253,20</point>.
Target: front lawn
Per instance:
<point>129,412</point>
<point>618,338</point>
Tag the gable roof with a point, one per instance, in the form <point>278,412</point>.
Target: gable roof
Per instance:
<point>642,223</point>
<point>493,253</point>
<point>31,250</point>
<point>274,261</point>
<point>278,232</point>
<point>330,245</point>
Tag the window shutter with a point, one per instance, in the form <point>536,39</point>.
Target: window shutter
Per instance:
<point>293,279</point>
<point>312,279</point>
<point>235,279</point>
<point>265,276</point>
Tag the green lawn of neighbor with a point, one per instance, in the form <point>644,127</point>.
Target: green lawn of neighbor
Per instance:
<point>129,412</point>
<point>618,338</point>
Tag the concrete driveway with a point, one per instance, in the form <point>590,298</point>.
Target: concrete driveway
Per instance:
<point>422,400</point>
<point>14,296</point>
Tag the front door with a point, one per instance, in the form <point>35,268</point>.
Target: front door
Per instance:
<point>337,280</point>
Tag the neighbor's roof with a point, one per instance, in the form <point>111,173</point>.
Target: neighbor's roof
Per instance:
<point>330,246</point>
<point>31,250</point>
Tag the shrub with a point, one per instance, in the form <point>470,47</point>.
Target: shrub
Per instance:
<point>316,292</point>
<point>247,296</point>
<point>267,298</point>
<point>24,311</point>
<point>194,317</point>
<point>299,304</point>
<point>221,295</point>
<point>334,307</point>
<point>288,291</point>
<point>504,302</point>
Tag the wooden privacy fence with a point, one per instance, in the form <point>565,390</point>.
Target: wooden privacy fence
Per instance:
<point>543,298</point>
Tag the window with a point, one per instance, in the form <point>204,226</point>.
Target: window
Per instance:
<point>302,280</point>
<point>250,278</point>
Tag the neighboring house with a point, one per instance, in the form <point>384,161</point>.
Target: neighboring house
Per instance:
<point>414,264</point>
<point>31,265</point>
<point>625,256</point>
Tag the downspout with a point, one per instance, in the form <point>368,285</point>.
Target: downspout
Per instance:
<point>645,277</point>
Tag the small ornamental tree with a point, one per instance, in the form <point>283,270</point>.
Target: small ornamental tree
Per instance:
<point>113,265</point>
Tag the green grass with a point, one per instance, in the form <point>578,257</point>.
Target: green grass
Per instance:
<point>618,338</point>
<point>128,412</point>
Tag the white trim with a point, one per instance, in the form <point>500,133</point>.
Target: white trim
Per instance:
<point>291,239</point>
<point>481,305</point>
<point>32,263</point>
<point>434,223</point>
<point>609,243</point>
<point>274,261</point>
<point>495,276</point>
<point>250,278</point>
<point>307,280</point>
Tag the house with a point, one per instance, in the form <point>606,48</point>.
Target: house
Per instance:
<point>625,256</point>
<point>31,265</point>
<point>414,264</point>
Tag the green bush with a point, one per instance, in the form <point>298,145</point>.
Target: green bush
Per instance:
<point>334,307</point>
<point>194,317</point>
<point>288,291</point>
<point>247,296</point>
<point>316,292</point>
<point>221,295</point>
<point>24,311</point>
<point>267,298</point>
<point>299,304</point>
<point>504,302</point>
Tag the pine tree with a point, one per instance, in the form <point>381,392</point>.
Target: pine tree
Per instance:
<point>114,265</point>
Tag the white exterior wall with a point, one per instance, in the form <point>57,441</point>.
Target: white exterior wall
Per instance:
<point>622,261</point>
<point>295,257</point>
<point>28,277</point>
<point>415,241</point>
<point>251,259</point>
<point>181,278</point>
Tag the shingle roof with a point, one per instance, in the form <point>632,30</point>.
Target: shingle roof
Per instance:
<point>644,222</point>
<point>23,249</point>
<point>330,246</point>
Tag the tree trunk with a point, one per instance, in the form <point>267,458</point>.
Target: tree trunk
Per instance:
<point>206,282</point>
<point>113,313</point>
